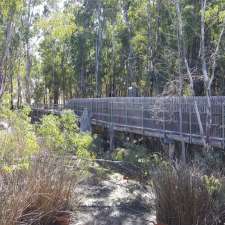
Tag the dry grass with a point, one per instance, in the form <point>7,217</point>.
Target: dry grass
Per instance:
<point>182,198</point>
<point>38,196</point>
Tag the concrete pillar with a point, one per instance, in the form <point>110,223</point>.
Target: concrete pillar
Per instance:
<point>183,152</point>
<point>171,151</point>
<point>85,121</point>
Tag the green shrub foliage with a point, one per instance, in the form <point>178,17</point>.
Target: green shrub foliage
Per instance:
<point>18,139</point>
<point>61,134</point>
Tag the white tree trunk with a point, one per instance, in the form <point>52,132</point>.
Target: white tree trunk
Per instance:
<point>98,45</point>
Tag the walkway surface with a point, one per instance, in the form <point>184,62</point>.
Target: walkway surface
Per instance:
<point>109,198</point>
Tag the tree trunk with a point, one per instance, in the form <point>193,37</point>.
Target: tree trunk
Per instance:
<point>28,71</point>
<point>113,75</point>
<point>150,49</point>
<point>130,77</point>
<point>182,51</point>
<point>19,91</point>
<point>98,45</point>
<point>82,80</point>
<point>6,46</point>
<point>1,81</point>
<point>28,55</point>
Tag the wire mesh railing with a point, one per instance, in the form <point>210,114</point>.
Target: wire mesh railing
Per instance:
<point>176,115</point>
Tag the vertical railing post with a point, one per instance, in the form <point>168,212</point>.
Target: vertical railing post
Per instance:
<point>180,117</point>
<point>126,113</point>
<point>111,112</point>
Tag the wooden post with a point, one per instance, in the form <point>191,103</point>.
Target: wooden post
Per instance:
<point>111,129</point>
<point>164,121</point>
<point>111,138</point>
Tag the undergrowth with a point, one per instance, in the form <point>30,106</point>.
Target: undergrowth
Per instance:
<point>39,195</point>
<point>184,196</point>
<point>37,180</point>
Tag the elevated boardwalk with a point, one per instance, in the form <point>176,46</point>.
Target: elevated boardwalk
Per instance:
<point>172,118</point>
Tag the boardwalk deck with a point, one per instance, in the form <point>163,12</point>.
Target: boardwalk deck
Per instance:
<point>171,117</point>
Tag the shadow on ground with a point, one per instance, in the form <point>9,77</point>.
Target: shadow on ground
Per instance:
<point>109,199</point>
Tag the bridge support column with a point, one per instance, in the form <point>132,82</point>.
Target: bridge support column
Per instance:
<point>85,121</point>
<point>170,147</point>
<point>111,138</point>
<point>171,151</point>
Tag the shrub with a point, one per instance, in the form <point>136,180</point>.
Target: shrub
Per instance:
<point>61,134</point>
<point>139,156</point>
<point>50,131</point>
<point>19,140</point>
<point>182,198</point>
<point>83,146</point>
<point>38,195</point>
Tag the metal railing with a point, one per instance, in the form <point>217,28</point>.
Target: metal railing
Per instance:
<point>167,115</point>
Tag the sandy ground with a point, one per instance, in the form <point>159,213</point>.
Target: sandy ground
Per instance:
<point>112,199</point>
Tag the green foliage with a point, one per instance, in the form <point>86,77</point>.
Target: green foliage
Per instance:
<point>61,134</point>
<point>138,43</point>
<point>50,131</point>
<point>10,5</point>
<point>59,26</point>
<point>212,183</point>
<point>18,141</point>
<point>119,154</point>
<point>69,122</point>
<point>139,155</point>
<point>83,146</point>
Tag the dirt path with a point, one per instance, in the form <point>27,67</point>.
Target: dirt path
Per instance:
<point>110,199</point>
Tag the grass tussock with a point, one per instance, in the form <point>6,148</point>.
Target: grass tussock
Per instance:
<point>182,198</point>
<point>40,195</point>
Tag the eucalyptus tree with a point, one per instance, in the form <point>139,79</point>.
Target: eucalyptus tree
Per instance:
<point>8,11</point>
<point>54,50</point>
<point>28,18</point>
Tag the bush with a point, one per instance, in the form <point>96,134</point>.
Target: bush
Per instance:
<point>19,140</point>
<point>83,146</point>
<point>140,156</point>
<point>50,131</point>
<point>182,198</point>
<point>38,195</point>
<point>61,134</point>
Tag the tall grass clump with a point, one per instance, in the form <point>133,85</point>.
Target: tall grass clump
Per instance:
<point>39,195</point>
<point>183,197</point>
